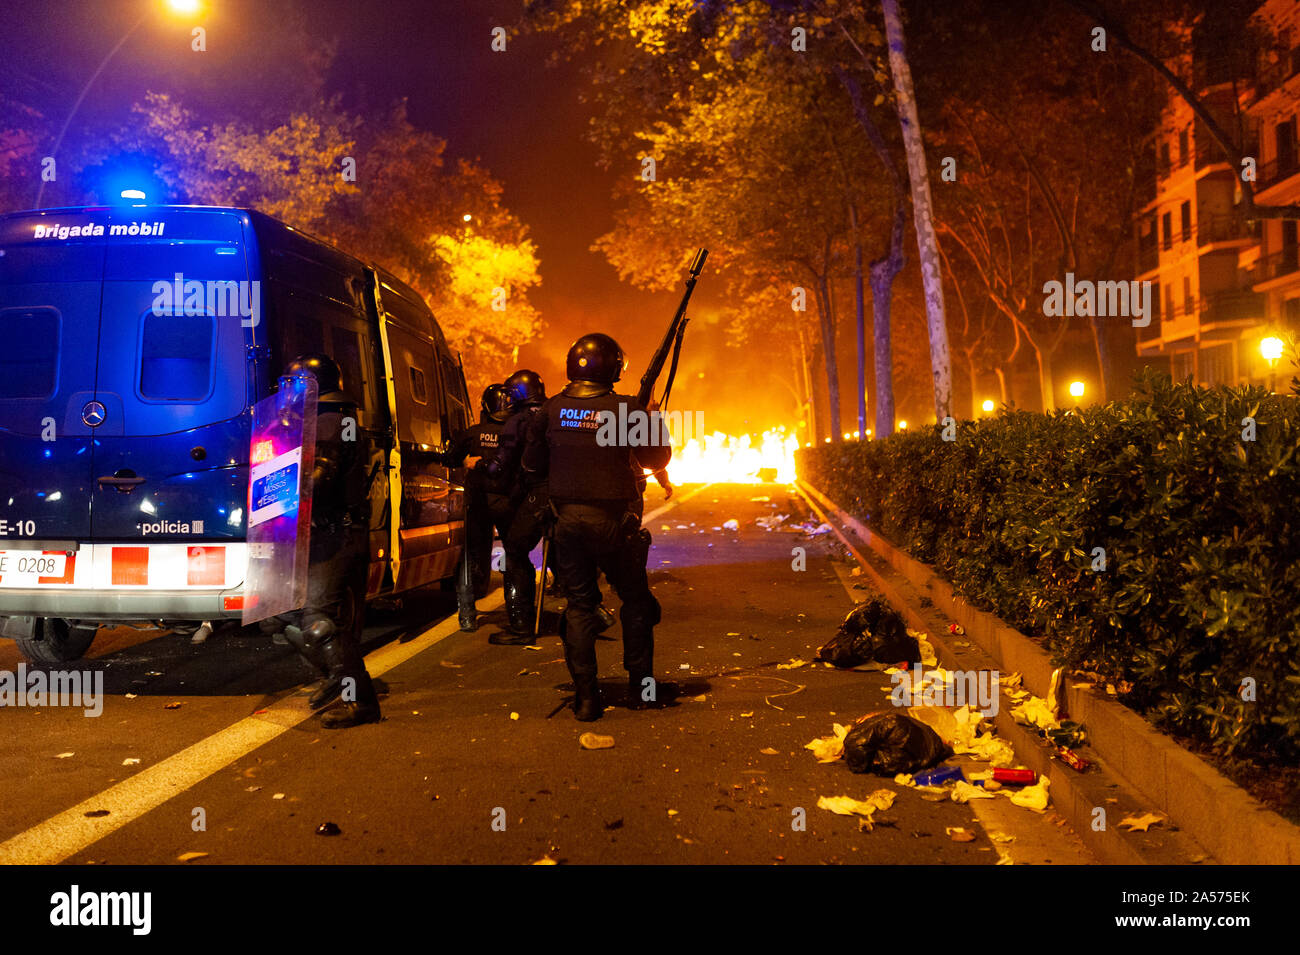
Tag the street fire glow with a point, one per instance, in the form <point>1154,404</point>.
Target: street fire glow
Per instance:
<point>730,459</point>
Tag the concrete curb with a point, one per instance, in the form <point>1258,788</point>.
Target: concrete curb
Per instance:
<point>1224,819</point>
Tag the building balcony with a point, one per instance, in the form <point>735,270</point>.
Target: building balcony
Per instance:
<point>1276,266</point>
<point>1277,171</point>
<point>1225,228</point>
<point>1148,259</point>
<point>1231,306</point>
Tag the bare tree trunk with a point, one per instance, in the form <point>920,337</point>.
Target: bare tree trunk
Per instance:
<point>826,310</point>
<point>926,242</point>
<point>1048,392</point>
<point>883,273</point>
<point>806,367</point>
<point>861,324</point>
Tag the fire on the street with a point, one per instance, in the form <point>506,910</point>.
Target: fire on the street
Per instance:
<point>735,459</point>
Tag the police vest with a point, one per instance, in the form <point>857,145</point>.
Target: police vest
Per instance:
<point>586,462</point>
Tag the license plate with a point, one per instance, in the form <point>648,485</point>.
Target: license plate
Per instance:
<point>20,568</point>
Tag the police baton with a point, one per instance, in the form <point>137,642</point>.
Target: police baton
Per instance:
<point>541,584</point>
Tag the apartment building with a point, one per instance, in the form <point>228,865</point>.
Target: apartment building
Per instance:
<point>1222,284</point>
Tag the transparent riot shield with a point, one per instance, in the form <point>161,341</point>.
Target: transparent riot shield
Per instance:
<point>281,457</point>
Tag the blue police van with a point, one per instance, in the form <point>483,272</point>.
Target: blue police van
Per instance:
<point>134,342</point>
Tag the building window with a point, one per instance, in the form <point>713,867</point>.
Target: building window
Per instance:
<point>1188,305</point>
<point>1164,159</point>
<point>1166,223</point>
<point>1186,214</point>
<point>1216,366</point>
<point>1183,364</point>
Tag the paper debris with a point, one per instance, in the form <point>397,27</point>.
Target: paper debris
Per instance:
<point>794,664</point>
<point>959,834</point>
<point>827,749</point>
<point>1142,823</point>
<point>189,856</point>
<point>1032,797</point>
<point>848,806</point>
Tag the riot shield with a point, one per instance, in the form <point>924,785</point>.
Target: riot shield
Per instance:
<point>281,457</point>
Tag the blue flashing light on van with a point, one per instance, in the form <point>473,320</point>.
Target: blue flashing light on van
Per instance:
<point>136,340</point>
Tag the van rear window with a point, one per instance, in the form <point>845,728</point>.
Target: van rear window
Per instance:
<point>29,361</point>
<point>176,353</point>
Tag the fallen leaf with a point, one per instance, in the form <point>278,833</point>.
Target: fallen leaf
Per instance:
<point>514,716</point>
<point>174,705</point>
<point>959,834</point>
<point>451,666</point>
<point>595,741</point>
<point>769,751</point>
<point>130,761</point>
<point>190,856</point>
<point>745,715</point>
<point>278,796</point>
<point>1143,822</point>
<point>672,812</point>
<point>64,755</point>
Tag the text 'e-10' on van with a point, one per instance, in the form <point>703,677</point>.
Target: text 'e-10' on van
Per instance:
<point>134,342</point>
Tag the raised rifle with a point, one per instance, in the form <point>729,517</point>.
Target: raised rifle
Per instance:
<point>672,340</point>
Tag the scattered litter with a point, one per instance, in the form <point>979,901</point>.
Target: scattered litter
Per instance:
<point>872,630</point>
<point>595,741</point>
<point>939,776</point>
<point>959,834</point>
<point>191,856</point>
<point>451,666</point>
<point>1001,838</point>
<point>732,634</point>
<point>960,729</point>
<point>904,779</point>
<point>957,629</point>
<point>1033,797</point>
<point>130,696</point>
<point>523,672</point>
<point>278,796</point>
<point>1072,759</point>
<point>746,715</point>
<point>964,792</point>
<point>772,521</point>
<point>328,829</point>
<point>545,860</point>
<point>928,656</point>
<point>514,716</point>
<point>616,824</point>
<point>672,812</point>
<point>1142,823</point>
<point>890,743</point>
<point>176,705</point>
<point>252,789</point>
<point>95,813</point>
<point>759,500</point>
<point>531,646</point>
<point>769,751</point>
<point>731,525</point>
<point>794,664</point>
<point>855,572</point>
<point>64,755</point>
<point>848,806</point>
<point>827,749</point>
<point>130,761</point>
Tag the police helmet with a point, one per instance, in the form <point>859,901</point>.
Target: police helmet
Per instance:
<point>497,402</point>
<point>526,387</point>
<point>597,358</point>
<point>326,371</point>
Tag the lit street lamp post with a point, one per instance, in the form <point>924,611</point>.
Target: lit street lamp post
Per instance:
<point>1271,349</point>
<point>187,7</point>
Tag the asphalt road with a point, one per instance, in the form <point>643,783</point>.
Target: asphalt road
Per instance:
<point>476,761</point>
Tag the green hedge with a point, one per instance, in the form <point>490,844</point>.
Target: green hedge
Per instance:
<point>1201,531</point>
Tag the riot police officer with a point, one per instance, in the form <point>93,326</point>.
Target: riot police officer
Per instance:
<point>591,471</point>
<point>483,500</point>
<point>327,631</point>
<point>524,510</point>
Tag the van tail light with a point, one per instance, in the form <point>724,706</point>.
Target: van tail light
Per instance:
<point>237,603</point>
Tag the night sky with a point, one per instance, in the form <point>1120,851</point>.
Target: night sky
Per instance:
<point>522,118</point>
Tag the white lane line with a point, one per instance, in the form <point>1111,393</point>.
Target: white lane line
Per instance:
<point>67,833</point>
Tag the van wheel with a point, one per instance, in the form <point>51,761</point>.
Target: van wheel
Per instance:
<point>56,640</point>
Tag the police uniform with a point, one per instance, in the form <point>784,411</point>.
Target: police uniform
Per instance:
<point>330,622</point>
<point>481,514</point>
<point>519,505</point>
<point>597,501</point>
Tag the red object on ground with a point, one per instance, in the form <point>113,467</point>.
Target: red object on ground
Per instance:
<point>1022,777</point>
<point>1072,759</point>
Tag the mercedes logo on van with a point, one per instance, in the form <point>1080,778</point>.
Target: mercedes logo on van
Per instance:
<point>92,415</point>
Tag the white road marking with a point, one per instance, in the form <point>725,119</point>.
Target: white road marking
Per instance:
<point>67,833</point>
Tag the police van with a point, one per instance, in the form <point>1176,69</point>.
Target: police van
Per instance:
<point>134,342</point>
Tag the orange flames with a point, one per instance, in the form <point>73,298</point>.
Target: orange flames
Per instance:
<point>729,459</point>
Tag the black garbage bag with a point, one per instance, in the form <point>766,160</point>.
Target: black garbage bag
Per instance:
<point>891,743</point>
<point>871,631</point>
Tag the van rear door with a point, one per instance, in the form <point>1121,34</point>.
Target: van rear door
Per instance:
<point>171,458</point>
<point>51,283</point>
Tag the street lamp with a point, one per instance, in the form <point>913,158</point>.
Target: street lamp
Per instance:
<point>902,426</point>
<point>1076,390</point>
<point>179,7</point>
<point>988,406</point>
<point>1271,348</point>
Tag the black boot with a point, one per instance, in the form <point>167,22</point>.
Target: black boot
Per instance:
<point>587,707</point>
<point>638,689</point>
<point>465,593</point>
<point>326,693</point>
<point>519,613</point>
<point>343,657</point>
